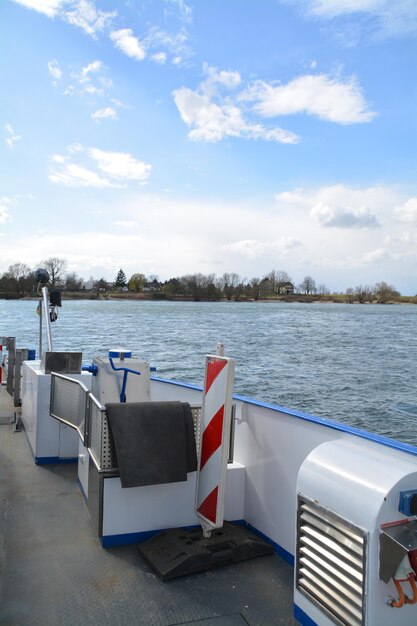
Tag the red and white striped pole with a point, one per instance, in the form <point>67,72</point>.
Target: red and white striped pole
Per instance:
<point>214,443</point>
<point>1,363</point>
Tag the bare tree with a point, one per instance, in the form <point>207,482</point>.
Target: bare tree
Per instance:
<point>323,290</point>
<point>364,293</point>
<point>254,285</point>
<point>73,282</point>
<point>384,292</point>
<point>350,295</point>
<point>17,275</point>
<point>56,270</point>
<point>308,285</point>
<point>228,284</point>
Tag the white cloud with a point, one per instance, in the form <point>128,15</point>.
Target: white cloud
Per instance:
<point>175,44</point>
<point>102,114</point>
<point>389,17</point>
<point>48,7</point>
<point>228,79</point>
<point>213,115</point>
<point>73,175</point>
<point>84,15</point>
<point>92,68</point>
<point>327,98</point>
<point>375,256</point>
<point>125,41</point>
<point>407,212</point>
<point>329,8</point>
<point>343,216</point>
<point>210,121</point>
<point>54,70</point>
<point>4,211</point>
<point>128,224</point>
<point>186,11</point>
<point>119,168</point>
<point>91,80</point>
<point>342,206</point>
<point>12,137</point>
<point>159,57</point>
<point>81,13</point>
<point>252,248</point>
<point>120,165</point>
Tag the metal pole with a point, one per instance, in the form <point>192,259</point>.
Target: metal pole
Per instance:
<point>40,329</point>
<point>47,320</point>
<point>220,349</point>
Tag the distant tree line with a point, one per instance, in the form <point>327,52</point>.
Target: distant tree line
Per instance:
<point>19,280</point>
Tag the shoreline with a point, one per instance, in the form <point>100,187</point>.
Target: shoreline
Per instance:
<point>298,298</point>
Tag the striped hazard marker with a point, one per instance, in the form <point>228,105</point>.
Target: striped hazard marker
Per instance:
<point>214,443</point>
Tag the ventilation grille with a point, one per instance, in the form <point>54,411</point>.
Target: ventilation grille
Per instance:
<point>331,563</point>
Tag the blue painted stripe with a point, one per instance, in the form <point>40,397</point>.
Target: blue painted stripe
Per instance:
<point>110,541</point>
<point>52,460</point>
<point>302,617</point>
<point>321,421</point>
<point>48,460</point>
<point>178,383</point>
<point>281,552</point>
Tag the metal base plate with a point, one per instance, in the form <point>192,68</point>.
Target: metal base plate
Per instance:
<point>179,552</point>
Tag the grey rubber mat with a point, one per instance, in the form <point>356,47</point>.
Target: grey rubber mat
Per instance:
<point>54,571</point>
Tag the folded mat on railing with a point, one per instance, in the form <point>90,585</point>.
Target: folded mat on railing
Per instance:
<point>154,441</point>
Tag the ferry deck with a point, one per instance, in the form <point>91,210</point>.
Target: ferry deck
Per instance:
<point>54,570</point>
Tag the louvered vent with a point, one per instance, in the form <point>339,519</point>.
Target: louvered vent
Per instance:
<point>331,563</point>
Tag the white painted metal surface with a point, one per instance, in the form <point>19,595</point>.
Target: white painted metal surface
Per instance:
<point>156,507</point>
<point>83,466</point>
<point>361,482</point>
<point>47,438</point>
<point>107,384</point>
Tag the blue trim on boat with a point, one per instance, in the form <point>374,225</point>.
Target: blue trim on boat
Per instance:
<point>111,541</point>
<point>47,460</point>
<point>177,382</point>
<point>281,552</point>
<point>302,617</point>
<point>351,430</point>
<point>52,460</point>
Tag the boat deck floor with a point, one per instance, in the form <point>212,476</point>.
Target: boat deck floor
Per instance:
<point>53,569</point>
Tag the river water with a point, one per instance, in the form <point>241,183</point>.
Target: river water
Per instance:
<point>349,363</point>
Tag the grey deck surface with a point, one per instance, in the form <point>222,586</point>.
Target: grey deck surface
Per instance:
<point>53,570</point>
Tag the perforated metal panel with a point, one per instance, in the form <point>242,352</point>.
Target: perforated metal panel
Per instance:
<point>196,413</point>
<point>101,444</point>
<point>69,403</point>
<point>331,554</point>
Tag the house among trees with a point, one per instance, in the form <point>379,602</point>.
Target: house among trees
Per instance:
<point>286,288</point>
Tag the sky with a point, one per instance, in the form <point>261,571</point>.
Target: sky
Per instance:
<point>167,137</point>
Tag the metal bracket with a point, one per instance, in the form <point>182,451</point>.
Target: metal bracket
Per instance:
<point>395,542</point>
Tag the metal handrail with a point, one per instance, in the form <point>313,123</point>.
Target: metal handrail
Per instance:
<point>47,318</point>
<point>81,425</point>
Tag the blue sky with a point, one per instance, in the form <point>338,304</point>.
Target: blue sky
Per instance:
<point>167,138</point>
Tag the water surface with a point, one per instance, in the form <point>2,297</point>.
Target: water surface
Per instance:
<point>350,363</point>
